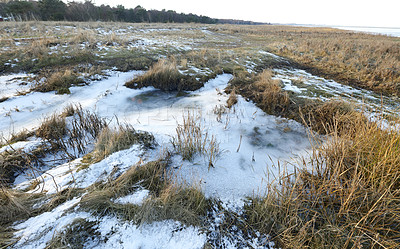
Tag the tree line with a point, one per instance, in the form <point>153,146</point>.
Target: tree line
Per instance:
<point>57,10</point>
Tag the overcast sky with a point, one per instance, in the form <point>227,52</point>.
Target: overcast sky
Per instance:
<point>377,13</point>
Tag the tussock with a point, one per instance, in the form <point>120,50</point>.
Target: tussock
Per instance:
<point>110,141</point>
<point>165,75</point>
<point>270,97</point>
<point>75,235</point>
<point>59,81</point>
<point>74,135</point>
<point>270,94</point>
<point>191,140</point>
<point>232,100</point>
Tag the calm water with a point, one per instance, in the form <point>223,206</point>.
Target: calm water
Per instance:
<point>385,31</point>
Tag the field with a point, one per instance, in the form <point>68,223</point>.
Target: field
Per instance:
<point>197,136</point>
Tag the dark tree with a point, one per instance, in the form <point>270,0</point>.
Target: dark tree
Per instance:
<point>52,10</point>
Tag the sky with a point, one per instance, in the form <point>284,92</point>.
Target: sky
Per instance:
<point>373,13</point>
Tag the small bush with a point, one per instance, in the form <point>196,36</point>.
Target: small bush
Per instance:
<point>165,75</point>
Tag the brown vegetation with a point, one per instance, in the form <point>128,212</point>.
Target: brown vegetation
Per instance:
<point>346,196</point>
<point>59,81</point>
<point>363,60</point>
<point>167,199</point>
<point>110,141</point>
<point>271,98</point>
<point>165,75</point>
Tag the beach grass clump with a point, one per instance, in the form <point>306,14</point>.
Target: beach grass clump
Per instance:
<point>76,234</point>
<point>191,139</point>
<point>164,75</point>
<point>110,140</point>
<point>71,130</point>
<point>268,95</point>
<point>60,82</point>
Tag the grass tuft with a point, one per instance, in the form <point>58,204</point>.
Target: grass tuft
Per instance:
<point>75,235</point>
<point>59,81</point>
<point>232,100</point>
<point>165,75</point>
<point>110,141</point>
<point>191,140</point>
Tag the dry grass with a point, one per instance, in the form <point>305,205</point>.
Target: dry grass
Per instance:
<point>17,206</point>
<point>347,196</point>
<point>13,162</point>
<point>167,200</point>
<point>165,75</point>
<point>367,61</point>
<point>75,235</point>
<point>110,141</point>
<point>270,93</point>
<point>232,100</point>
<point>270,97</point>
<point>191,140</point>
<point>59,81</point>
<point>72,136</point>
<point>52,128</point>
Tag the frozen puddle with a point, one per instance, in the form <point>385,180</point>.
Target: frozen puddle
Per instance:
<point>252,143</point>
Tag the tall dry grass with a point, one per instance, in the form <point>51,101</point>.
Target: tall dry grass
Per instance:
<point>191,139</point>
<point>112,140</point>
<point>363,60</point>
<point>346,196</point>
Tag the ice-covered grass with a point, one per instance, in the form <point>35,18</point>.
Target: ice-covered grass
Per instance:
<point>307,85</point>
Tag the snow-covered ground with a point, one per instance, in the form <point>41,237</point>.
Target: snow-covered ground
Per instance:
<point>250,141</point>
<point>255,148</point>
